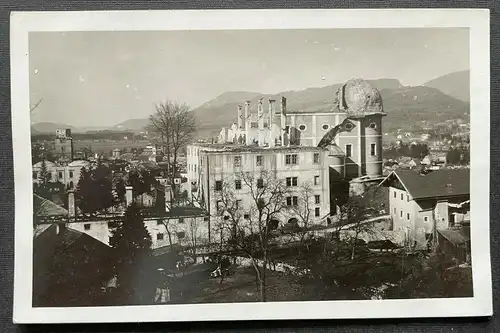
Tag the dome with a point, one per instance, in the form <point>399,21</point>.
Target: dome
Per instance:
<point>48,164</point>
<point>358,98</point>
<point>79,164</point>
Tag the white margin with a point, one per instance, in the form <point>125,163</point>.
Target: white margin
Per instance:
<point>477,20</point>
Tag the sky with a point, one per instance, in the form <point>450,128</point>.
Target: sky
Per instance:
<point>89,79</point>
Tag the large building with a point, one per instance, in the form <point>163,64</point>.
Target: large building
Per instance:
<point>325,149</point>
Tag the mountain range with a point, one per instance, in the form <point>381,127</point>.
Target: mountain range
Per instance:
<point>445,97</point>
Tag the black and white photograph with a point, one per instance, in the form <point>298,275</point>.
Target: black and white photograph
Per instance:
<point>229,165</point>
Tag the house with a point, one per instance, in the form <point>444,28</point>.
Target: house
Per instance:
<point>69,268</point>
<point>424,203</point>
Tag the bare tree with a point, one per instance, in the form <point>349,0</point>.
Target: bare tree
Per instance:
<point>249,227</point>
<point>173,125</point>
<point>35,106</point>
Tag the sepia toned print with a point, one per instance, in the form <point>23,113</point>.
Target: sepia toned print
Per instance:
<point>243,166</point>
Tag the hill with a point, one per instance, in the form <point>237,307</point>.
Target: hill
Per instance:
<point>135,125</point>
<point>49,127</point>
<point>455,84</point>
<point>230,97</point>
<point>406,107</point>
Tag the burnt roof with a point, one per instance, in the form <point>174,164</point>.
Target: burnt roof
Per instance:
<point>439,183</point>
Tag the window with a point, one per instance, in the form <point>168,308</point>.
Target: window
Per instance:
<point>401,214</point>
<point>349,126</point>
<point>246,216</point>
<point>408,216</point>
<point>317,199</point>
<point>394,193</point>
<point>373,149</point>
<point>238,204</point>
<point>237,161</point>
<point>159,222</point>
<point>159,236</point>
<point>316,211</point>
<point>325,127</point>
<point>189,151</point>
<point>407,198</point>
<point>71,174</point>
<point>219,206</point>
<point>291,181</point>
<point>86,226</point>
<point>60,174</point>
<point>181,234</point>
<point>291,159</point>
<point>316,158</point>
<point>316,180</point>
<point>181,220</point>
<point>292,201</point>
<point>195,168</point>
<point>206,219</point>
<point>394,210</point>
<point>348,150</point>
<point>260,183</point>
<point>237,184</point>
<point>259,160</point>
<point>426,218</point>
<point>302,127</point>
<point>372,125</point>
<point>402,196</point>
<point>218,185</point>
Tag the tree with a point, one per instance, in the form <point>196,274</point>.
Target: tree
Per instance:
<point>253,235</point>
<point>131,243</point>
<point>83,191</point>
<point>173,126</point>
<point>44,175</point>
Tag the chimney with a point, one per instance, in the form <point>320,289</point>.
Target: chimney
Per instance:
<point>129,195</point>
<point>168,198</point>
<point>71,204</point>
<point>284,132</point>
<point>60,228</point>
<point>272,134</point>
<point>247,122</point>
<point>260,116</point>
<point>240,117</point>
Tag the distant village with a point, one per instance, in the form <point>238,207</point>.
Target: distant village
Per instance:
<point>289,205</point>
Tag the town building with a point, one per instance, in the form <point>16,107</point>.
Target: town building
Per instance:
<point>167,223</point>
<point>425,204</point>
<point>67,174</point>
<point>326,148</point>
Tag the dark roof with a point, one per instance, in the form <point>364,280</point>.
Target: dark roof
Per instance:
<point>237,148</point>
<point>45,207</point>
<point>456,237</point>
<point>439,183</point>
<point>186,211</point>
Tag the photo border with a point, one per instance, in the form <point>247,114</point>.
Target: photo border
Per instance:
<point>477,20</point>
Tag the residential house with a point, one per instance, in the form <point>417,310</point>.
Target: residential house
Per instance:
<point>425,203</point>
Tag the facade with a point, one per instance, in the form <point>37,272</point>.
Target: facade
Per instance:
<point>69,174</point>
<point>324,148</point>
<point>422,204</point>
